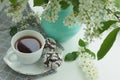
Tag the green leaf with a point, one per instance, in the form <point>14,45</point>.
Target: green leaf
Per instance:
<point>82,43</point>
<point>14,2</point>
<point>13,31</point>
<point>107,43</point>
<point>71,56</point>
<point>64,4</point>
<point>76,9</point>
<point>90,52</point>
<point>40,2</point>
<point>75,4</point>
<point>106,25</point>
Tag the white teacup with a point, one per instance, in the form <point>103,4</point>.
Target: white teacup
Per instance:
<point>28,58</point>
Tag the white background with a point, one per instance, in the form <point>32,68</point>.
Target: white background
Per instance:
<point>108,67</point>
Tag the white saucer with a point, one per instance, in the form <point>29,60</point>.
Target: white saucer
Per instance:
<point>31,69</point>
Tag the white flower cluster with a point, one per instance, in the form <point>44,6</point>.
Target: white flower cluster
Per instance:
<point>51,11</point>
<point>86,62</point>
<point>71,20</point>
<point>15,11</point>
<point>110,4</point>
<point>92,13</point>
<point>28,21</point>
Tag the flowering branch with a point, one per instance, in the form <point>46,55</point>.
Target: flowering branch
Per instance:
<point>114,13</point>
<point>98,15</point>
<point>86,60</point>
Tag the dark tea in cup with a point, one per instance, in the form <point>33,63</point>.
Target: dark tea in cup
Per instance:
<point>28,44</point>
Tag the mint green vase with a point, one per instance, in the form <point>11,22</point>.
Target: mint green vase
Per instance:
<point>58,30</point>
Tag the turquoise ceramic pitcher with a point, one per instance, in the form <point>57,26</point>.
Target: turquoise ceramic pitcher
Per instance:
<point>58,30</point>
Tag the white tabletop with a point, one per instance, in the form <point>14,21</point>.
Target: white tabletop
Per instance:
<point>108,67</point>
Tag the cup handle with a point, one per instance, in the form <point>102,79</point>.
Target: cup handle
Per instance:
<point>12,57</point>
